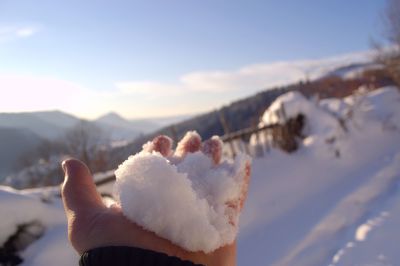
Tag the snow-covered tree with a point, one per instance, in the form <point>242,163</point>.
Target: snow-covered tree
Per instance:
<point>390,58</point>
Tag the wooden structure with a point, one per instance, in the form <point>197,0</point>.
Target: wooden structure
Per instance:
<point>255,141</point>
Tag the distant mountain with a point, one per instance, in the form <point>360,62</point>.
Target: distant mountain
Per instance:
<point>118,127</point>
<point>143,125</point>
<point>112,118</point>
<point>57,118</point>
<point>21,133</point>
<point>53,124</point>
<point>14,143</point>
<point>30,121</point>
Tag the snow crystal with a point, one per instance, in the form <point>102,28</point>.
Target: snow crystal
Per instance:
<point>185,202</point>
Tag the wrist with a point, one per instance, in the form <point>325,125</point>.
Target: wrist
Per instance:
<point>122,255</point>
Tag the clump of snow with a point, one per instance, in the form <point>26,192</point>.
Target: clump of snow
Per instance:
<point>322,128</point>
<point>364,229</point>
<point>335,126</point>
<point>185,202</point>
<point>293,103</point>
<point>362,232</point>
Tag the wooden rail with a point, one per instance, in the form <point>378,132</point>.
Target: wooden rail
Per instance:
<point>247,132</point>
<point>105,180</point>
<point>227,138</point>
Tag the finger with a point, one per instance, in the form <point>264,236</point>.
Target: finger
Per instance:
<point>79,192</point>
<point>190,143</point>
<point>236,206</point>
<point>213,148</point>
<point>163,145</point>
<point>245,185</point>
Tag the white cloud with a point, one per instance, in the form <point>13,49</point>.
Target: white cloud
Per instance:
<point>252,77</point>
<point>26,31</point>
<point>150,88</point>
<point>193,92</point>
<point>248,78</point>
<point>12,32</point>
<point>256,77</point>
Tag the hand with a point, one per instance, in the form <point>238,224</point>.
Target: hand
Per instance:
<point>91,224</point>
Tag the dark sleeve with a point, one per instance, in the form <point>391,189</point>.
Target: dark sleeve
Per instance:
<point>129,256</point>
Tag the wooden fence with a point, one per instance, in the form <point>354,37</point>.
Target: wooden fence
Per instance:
<point>255,141</point>
<point>236,142</point>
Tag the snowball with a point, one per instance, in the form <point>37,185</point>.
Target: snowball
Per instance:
<point>188,203</point>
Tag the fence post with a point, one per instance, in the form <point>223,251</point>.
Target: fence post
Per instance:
<point>258,148</point>
<point>226,131</point>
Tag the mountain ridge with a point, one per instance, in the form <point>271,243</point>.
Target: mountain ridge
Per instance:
<point>15,141</point>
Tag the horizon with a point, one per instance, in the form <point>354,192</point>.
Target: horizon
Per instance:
<point>145,60</point>
<point>104,114</point>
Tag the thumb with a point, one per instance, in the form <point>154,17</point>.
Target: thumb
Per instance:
<point>78,190</point>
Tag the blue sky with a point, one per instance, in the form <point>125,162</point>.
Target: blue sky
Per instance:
<point>90,57</point>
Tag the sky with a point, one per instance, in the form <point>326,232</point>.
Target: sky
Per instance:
<point>162,58</point>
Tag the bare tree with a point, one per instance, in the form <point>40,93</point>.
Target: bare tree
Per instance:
<point>41,166</point>
<point>88,143</point>
<point>390,58</point>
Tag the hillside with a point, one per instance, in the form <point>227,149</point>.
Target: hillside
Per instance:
<point>304,214</point>
<point>14,143</point>
<point>57,118</point>
<point>54,124</point>
<point>30,121</point>
<point>246,112</point>
<point>120,128</point>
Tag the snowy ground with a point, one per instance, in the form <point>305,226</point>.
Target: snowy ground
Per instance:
<point>43,206</point>
<point>335,201</point>
<point>303,208</point>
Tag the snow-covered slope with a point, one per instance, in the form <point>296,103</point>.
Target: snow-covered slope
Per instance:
<point>375,242</point>
<point>335,201</point>
<point>303,206</point>
<point>14,142</point>
<point>44,209</point>
<point>31,122</point>
<point>341,66</point>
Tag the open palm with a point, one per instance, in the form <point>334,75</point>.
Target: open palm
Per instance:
<point>91,224</point>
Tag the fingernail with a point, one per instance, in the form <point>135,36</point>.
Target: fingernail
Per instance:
<point>64,167</point>
<point>213,148</point>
